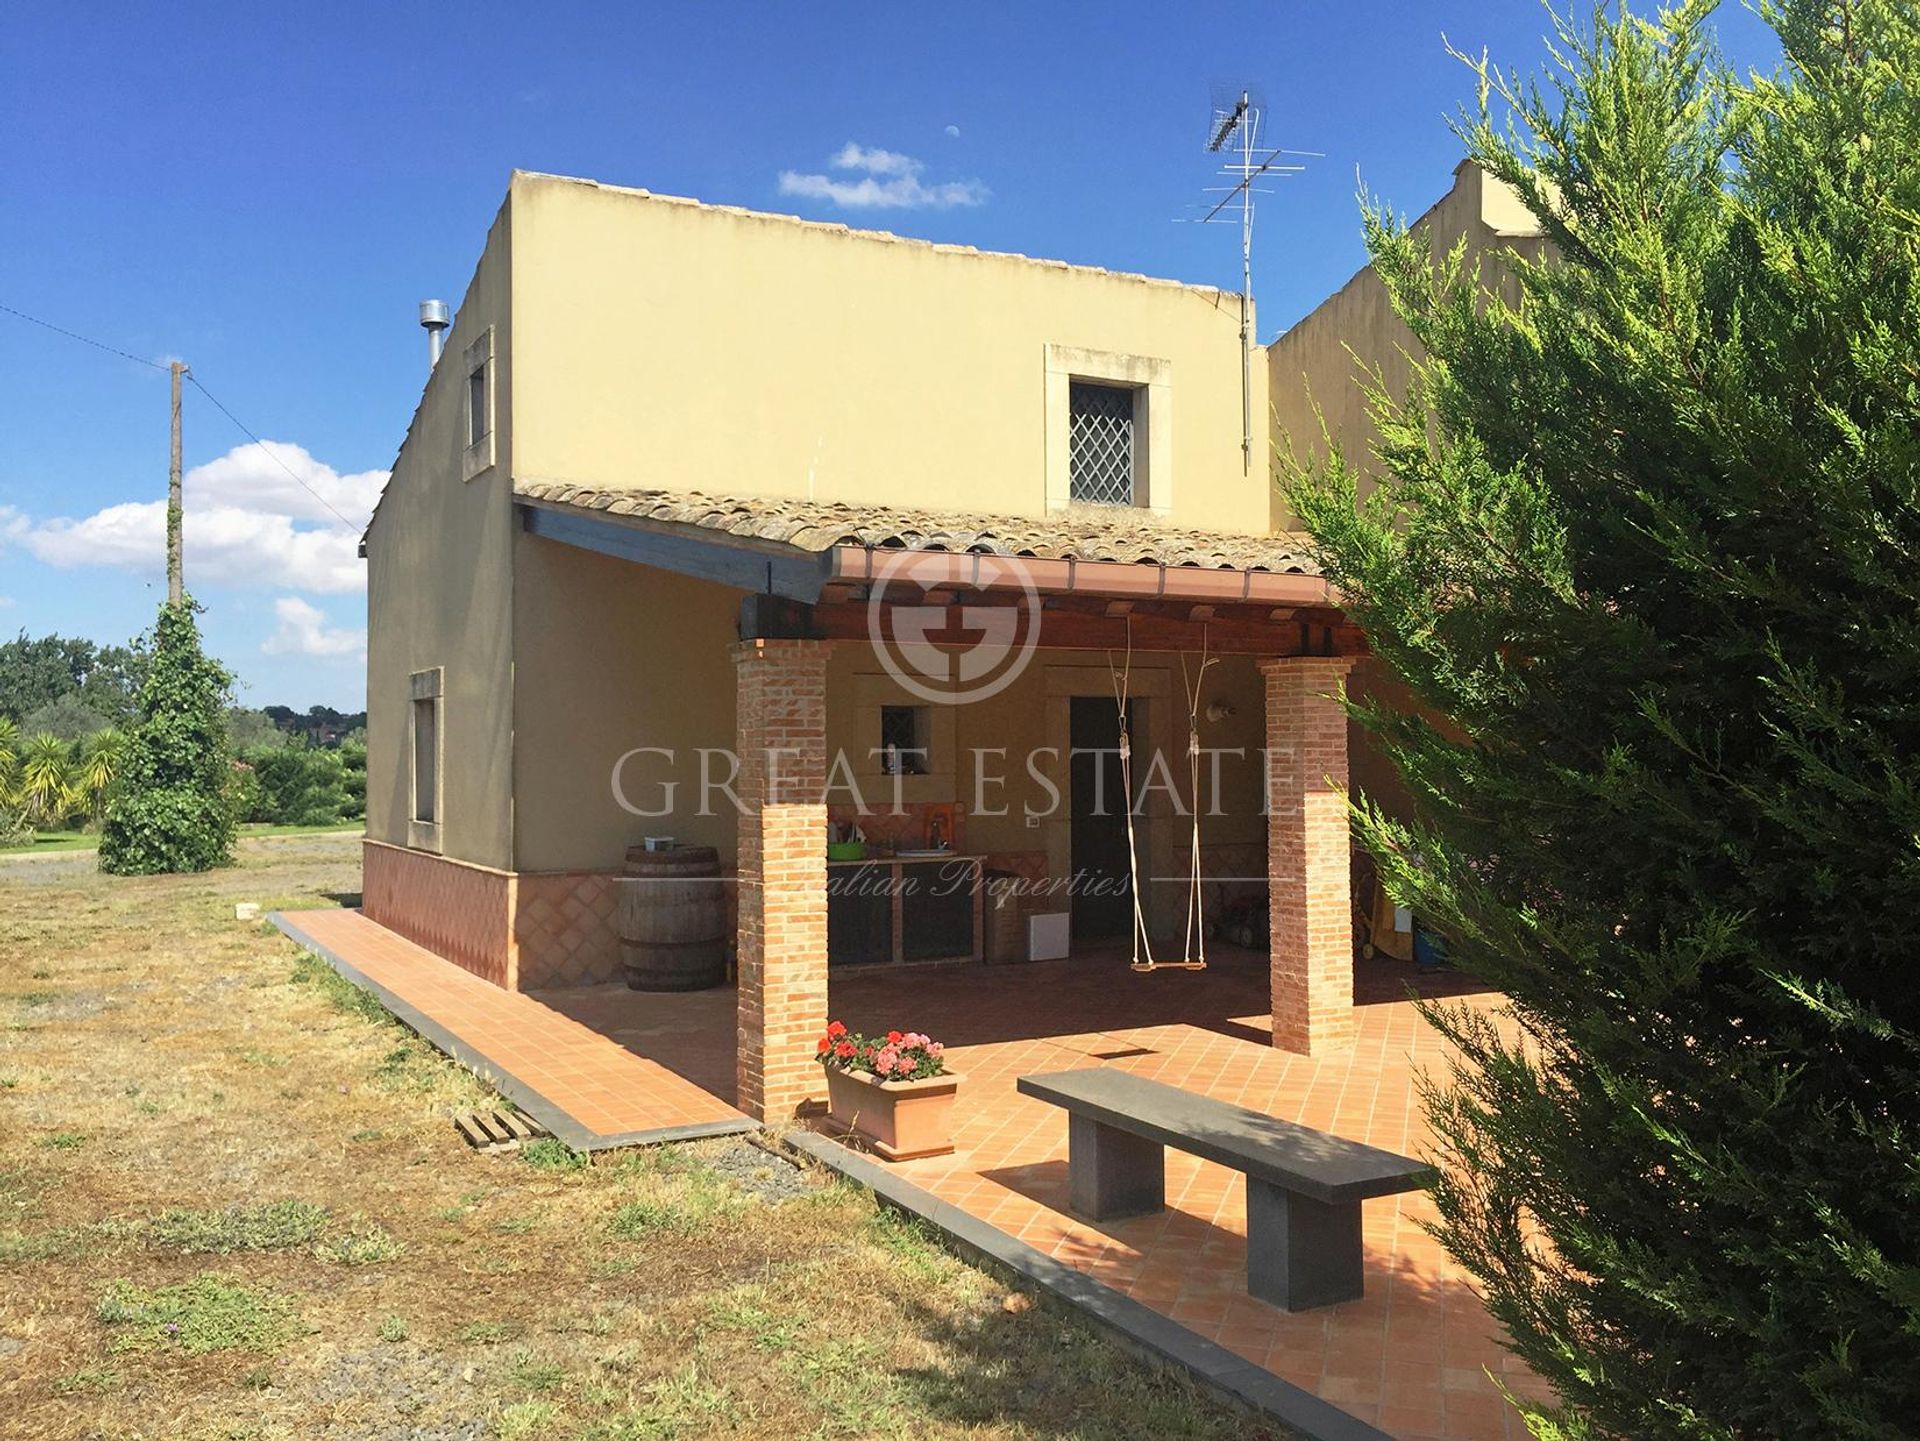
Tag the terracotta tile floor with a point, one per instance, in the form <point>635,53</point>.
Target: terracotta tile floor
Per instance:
<point>1411,1357</point>
<point>603,1085</point>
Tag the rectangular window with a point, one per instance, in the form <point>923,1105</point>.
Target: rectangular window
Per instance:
<point>426,758</point>
<point>1100,443</point>
<point>479,423</point>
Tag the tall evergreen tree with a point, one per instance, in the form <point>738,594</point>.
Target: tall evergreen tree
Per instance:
<point>1647,550</point>
<point>171,807</point>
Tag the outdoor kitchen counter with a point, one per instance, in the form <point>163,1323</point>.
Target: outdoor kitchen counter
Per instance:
<point>890,909</point>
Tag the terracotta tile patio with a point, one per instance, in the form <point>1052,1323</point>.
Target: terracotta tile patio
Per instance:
<point>1412,1357</point>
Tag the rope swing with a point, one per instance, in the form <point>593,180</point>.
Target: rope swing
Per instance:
<point>1195,955</point>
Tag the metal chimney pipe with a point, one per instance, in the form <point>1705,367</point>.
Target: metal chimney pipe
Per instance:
<point>434,320</point>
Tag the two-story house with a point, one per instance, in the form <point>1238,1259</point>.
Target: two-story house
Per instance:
<point>754,533</point>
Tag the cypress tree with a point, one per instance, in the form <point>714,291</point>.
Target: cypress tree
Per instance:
<point>170,808</point>
<point>1646,548</point>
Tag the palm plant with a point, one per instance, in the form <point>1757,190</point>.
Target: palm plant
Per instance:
<point>46,781</point>
<point>9,760</point>
<point>13,822</point>
<point>99,763</point>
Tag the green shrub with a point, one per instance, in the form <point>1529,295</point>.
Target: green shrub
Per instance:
<point>170,808</point>
<point>353,762</point>
<point>298,785</point>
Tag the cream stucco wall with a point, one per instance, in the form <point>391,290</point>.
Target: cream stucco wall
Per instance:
<point>1323,360</point>
<point>662,343</point>
<point>439,593</point>
<point>614,657</point>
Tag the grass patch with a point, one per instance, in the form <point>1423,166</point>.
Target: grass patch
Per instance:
<point>53,842</point>
<point>684,1404</point>
<point>339,992</point>
<point>765,1330</point>
<point>360,1243</point>
<point>63,1141</point>
<point>88,1381</point>
<point>527,1419</point>
<point>489,1333</point>
<point>917,1246</point>
<point>639,1219</point>
<point>394,1328</point>
<point>535,1374</point>
<point>552,1154</point>
<point>42,1245</point>
<point>208,1313</point>
<point>272,1227</point>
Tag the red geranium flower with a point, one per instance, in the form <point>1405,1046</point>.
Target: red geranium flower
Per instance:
<point>893,1038</point>
<point>824,1043</point>
<point>843,1050</point>
<point>835,1029</point>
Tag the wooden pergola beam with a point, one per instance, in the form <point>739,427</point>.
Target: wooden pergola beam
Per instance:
<point>1069,623</point>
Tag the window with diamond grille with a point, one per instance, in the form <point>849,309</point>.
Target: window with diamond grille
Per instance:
<point>1100,443</point>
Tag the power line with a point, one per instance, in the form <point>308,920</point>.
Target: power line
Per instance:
<point>85,339</point>
<point>162,365</point>
<point>265,450</point>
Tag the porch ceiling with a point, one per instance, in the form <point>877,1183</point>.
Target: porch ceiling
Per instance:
<point>797,548</point>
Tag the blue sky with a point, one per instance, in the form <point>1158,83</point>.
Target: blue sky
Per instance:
<point>268,197</point>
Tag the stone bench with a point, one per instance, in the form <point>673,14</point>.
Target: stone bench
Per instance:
<point>1304,1187</point>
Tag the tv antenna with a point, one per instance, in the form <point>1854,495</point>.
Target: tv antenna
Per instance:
<point>1233,131</point>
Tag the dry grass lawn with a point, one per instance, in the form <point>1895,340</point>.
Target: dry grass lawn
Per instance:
<point>232,1205</point>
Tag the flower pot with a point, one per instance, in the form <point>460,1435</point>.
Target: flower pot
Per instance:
<point>900,1120</point>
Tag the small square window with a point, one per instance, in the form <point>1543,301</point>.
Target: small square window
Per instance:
<point>426,759</point>
<point>1100,440</point>
<point>903,740</point>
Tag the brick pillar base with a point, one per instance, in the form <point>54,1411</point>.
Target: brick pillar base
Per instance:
<point>781,691</point>
<point>1309,881</point>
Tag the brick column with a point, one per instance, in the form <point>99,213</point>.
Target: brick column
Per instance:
<point>1309,884</point>
<point>781,691</point>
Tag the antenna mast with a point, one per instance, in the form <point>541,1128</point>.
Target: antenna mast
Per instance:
<point>1234,131</point>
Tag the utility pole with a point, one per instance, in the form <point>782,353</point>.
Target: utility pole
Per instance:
<point>176,588</point>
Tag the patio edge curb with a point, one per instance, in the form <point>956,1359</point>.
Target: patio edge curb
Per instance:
<point>528,1098</point>
<point>1138,1325</point>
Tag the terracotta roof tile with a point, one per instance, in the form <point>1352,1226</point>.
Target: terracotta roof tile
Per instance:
<point>1080,533</point>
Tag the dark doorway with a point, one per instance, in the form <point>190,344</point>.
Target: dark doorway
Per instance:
<point>1103,896</point>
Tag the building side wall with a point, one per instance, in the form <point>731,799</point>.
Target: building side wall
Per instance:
<point>439,594</point>
<point>665,344</point>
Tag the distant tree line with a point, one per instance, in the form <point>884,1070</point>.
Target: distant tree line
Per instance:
<point>69,687</point>
<point>67,704</point>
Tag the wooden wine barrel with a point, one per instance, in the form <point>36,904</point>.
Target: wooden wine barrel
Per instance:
<point>673,919</point>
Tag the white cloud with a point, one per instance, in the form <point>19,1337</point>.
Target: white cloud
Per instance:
<point>5,601</point>
<point>303,630</point>
<point>887,180</point>
<point>248,522</point>
<point>953,131</point>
